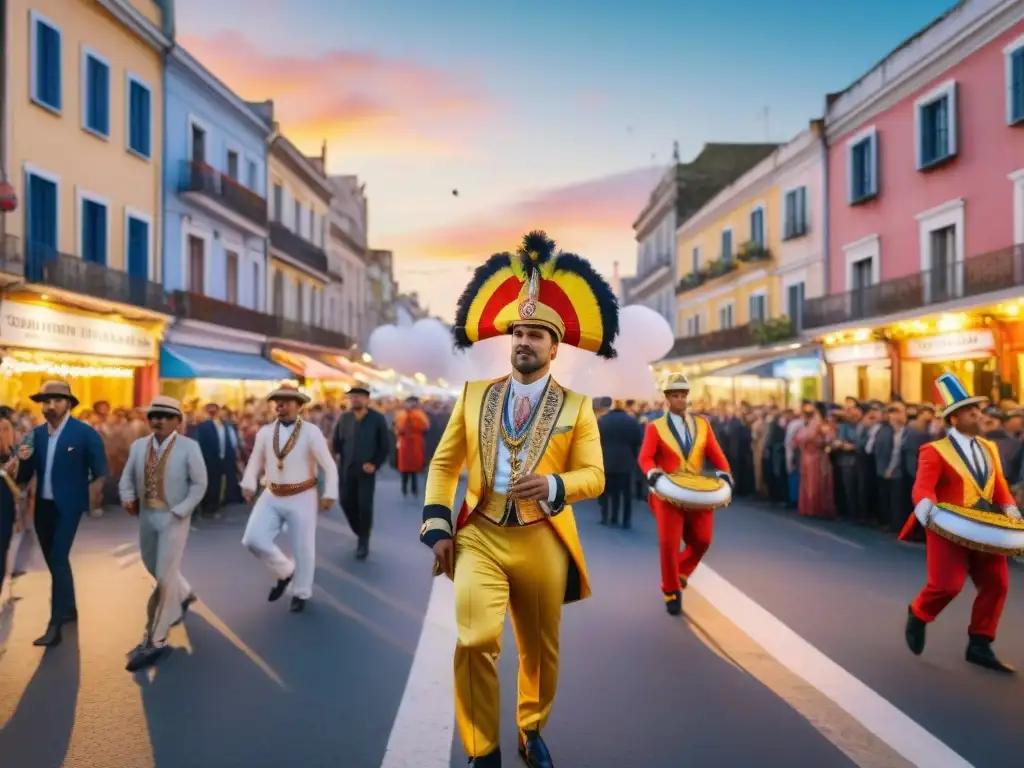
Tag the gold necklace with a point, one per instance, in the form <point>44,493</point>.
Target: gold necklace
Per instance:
<point>282,453</point>
<point>515,464</point>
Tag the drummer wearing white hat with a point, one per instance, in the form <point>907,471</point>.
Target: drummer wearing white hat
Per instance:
<point>164,480</point>
<point>288,451</point>
<point>673,443</point>
<point>960,481</point>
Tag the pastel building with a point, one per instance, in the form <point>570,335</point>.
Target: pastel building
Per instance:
<point>345,309</point>
<point>215,178</point>
<point>747,260</point>
<point>83,149</point>
<point>926,200</point>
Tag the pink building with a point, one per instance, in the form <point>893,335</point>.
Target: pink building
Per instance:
<point>926,152</point>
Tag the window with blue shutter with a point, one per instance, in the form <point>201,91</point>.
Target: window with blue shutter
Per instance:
<point>140,118</point>
<point>138,248</point>
<point>863,181</point>
<point>94,232</point>
<point>46,65</point>
<point>1016,87</point>
<point>41,225</point>
<point>757,227</point>
<point>726,244</point>
<point>97,95</point>
<point>935,131</point>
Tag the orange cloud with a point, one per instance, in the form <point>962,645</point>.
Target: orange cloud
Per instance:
<point>592,213</point>
<point>368,104</point>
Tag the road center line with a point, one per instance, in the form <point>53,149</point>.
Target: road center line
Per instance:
<point>421,736</point>
<point>880,717</point>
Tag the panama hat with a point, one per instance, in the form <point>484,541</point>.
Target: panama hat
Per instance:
<point>288,392</point>
<point>164,406</point>
<point>677,382</point>
<point>55,390</point>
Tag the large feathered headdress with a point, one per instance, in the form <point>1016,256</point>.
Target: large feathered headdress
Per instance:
<point>537,286</point>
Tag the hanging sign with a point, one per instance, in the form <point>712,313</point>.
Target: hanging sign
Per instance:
<point>857,353</point>
<point>31,326</point>
<point>952,346</point>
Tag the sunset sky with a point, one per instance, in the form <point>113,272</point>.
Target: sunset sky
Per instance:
<point>557,115</point>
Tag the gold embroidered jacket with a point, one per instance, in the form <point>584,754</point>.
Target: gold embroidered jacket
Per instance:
<point>563,442</point>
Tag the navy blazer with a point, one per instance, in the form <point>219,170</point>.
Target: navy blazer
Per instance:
<point>79,458</point>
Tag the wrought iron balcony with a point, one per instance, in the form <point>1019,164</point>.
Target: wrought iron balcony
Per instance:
<point>194,306</point>
<point>70,273</point>
<point>297,247</point>
<point>737,337</point>
<point>976,276</point>
<point>223,190</point>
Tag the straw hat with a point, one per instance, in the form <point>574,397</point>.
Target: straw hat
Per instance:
<point>288,392</point>
<point>55,390</point>
<point>677,382</point>
<point>164,406</point>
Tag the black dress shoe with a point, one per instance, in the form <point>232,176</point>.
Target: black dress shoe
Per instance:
<point>278,590</point>
<point>147,656</point>
<point>51,639</point>
<point>674,603</point>
<point>362,550</point>
<point>534,751</point>
<point>185,605</point>
<point>979,651</point>
<point>492,760</point>
<point>298,605</point>
<point>915,633</point>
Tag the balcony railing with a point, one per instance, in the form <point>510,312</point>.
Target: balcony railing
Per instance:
<point>662,261</point>
<point>70,273</point>
<point>737,337</point>
<point>976,276</point>
<point>194,306</point>
<point>297,247</point>
<point>222,189</point>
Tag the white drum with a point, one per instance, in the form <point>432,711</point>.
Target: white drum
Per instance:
<point>990,532</point>
<point>693,491</point>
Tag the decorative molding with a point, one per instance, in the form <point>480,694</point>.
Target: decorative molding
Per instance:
<point>295,161</point>
<point>123,11</point>
<point>193,67</point>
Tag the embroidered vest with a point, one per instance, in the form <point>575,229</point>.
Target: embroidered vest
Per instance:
<point>155,497</point>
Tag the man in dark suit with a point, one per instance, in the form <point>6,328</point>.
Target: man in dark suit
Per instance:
<point>66,456</point>
<point>362,443</point>
<point>1011,450</point>
<point>621,438</point>
<point>218,443</point>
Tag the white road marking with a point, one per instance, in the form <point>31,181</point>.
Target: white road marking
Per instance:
<point>888,723</point>
<point>424,727</point>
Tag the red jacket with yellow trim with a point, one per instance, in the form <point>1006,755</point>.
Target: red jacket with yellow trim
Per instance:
<point>945,481</point>
<point>660,450</point>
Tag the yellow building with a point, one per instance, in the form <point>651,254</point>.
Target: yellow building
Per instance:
<point>743,262</point>
<point>300,201</point>
<point>85,126</point>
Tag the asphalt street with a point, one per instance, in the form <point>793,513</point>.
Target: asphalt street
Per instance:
<point>250,684</point>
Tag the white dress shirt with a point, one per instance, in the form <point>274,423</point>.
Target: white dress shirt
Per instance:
<point>976,458</point>
<point>502,472</point>
<point>309,452</point>
<point>682,429</point>
<point>221,436</point>
<point>51,452</point>
<point>160,447</point>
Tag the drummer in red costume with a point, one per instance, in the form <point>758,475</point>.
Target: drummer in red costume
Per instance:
<point>962,469</point>
<point>671,441</point>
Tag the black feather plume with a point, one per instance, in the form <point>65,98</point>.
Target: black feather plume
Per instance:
<point>606,299</point>
<point>483,273</point>
<point>537,249</point>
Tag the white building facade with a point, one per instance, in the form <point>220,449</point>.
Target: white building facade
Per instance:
<point>347,259</point>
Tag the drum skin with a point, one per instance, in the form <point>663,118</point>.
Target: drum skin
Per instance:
<point>692,491</point>
<point>988,532</point>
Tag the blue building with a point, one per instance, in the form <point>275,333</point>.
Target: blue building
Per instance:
<point>215,206</point>
<point>215,236</point>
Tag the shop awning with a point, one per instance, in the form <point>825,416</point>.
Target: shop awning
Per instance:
<point>761,367</point>
<point>178,361</point>
<point>310,367</point>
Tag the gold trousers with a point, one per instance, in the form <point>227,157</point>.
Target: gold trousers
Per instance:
<point>497,568</point>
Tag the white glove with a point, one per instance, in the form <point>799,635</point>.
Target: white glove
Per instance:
<point>1013,513</point>
<point>923,511</point>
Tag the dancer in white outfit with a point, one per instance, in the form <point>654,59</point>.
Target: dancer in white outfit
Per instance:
<point>288,451</point>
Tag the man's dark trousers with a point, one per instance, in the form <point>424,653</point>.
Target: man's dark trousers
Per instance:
<point>56,534</point>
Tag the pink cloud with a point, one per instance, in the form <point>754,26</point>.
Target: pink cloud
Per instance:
<point>590,213</point>
<point>371,104</point>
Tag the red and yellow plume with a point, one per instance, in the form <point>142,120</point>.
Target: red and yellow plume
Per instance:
<point>538,286</point>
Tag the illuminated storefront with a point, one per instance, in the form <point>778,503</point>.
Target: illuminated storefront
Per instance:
<point>103,357</point>
<point>970,354</point>
<point>862,370</point>
<point>323,377</point>
<point>202,363</point>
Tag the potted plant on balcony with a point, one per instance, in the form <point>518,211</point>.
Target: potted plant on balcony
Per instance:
<point>690,281</point>
<point>752,251</point>
<point>773,330</point>
<point>723,265</point>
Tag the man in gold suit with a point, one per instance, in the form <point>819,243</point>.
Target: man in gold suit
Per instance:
<point>532,449</point>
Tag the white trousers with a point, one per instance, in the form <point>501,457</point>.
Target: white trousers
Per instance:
<point>269,515</point>
<point>162,539</point>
